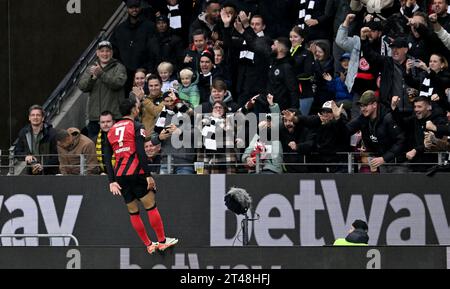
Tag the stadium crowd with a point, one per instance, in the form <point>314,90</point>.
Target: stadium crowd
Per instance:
<point>233,84</point>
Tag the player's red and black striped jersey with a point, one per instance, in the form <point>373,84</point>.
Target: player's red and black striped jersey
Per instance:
<point>122,137</point>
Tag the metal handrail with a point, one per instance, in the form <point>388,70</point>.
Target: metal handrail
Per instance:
<point>72,237</point>
<point>352,160</point>
<point>54,102</point>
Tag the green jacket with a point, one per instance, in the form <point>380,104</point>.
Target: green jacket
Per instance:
<point>106,92</point>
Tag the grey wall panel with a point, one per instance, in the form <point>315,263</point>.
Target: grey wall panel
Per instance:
<point>293,210</point>
<point>46,41</point>
<point>225,258</point>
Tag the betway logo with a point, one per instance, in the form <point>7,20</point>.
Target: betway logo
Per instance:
<point>309,204</point>
<point>23,218</point>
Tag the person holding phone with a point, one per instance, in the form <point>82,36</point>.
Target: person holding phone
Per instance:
<point>431,81</point>
<point>175,141</point>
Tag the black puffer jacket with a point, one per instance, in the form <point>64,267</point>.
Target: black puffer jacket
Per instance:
<point>283,85</point>
<point>382,136</point>
<point>358,236</point>
<point>131,43</point>
<point>168,46</point>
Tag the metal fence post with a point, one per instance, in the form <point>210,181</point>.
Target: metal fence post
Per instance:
<point>169,164</point>
<point>11,161</point>
<point>350,162</point>
<point>82,165</point>
<point>258,161</point>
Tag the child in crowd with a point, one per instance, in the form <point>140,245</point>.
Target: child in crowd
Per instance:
<point>165,71</point>
<point>337,85</point>
<point>188,90</point>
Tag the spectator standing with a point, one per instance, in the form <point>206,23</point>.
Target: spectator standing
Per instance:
<point>282,83</point>
<point>166,45</point>
<point>193,53</point>
<point>303,61</point>
<point>208,72</point>
<point>179,13</point>
<point>440,7</point>
<point>104,81</point>
<point>430,81</point>
<point>361,75</point>
<point>181,158</point>
<point>208,21</point>
<point>323,64</point>
<point>152,104</point>
<point>218,152</point>
<point>131,41</point>
<point>381,135</point>
<point>139,88</point>
<point>219,92</point>
<point>335,13</point>
<point>297,140</point>
<point>330,138</point>
<point>415,127</point>
<point>393,71</point>
<point>312,18</point>
<point>252,50</point>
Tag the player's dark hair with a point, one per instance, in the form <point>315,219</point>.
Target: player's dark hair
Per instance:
<point>127,105</point>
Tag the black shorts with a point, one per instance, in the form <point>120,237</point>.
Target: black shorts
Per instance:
<point>133,187</point>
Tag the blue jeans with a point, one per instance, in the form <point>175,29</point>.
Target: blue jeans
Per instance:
<point>177,170</point>
<point>305,105</point>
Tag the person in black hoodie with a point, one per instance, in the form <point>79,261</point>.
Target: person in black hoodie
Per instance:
<point>167,46</point>
<point>131,42</point>
<point>356,236</point>
<point>179,13</point>
<point>282,83</point>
